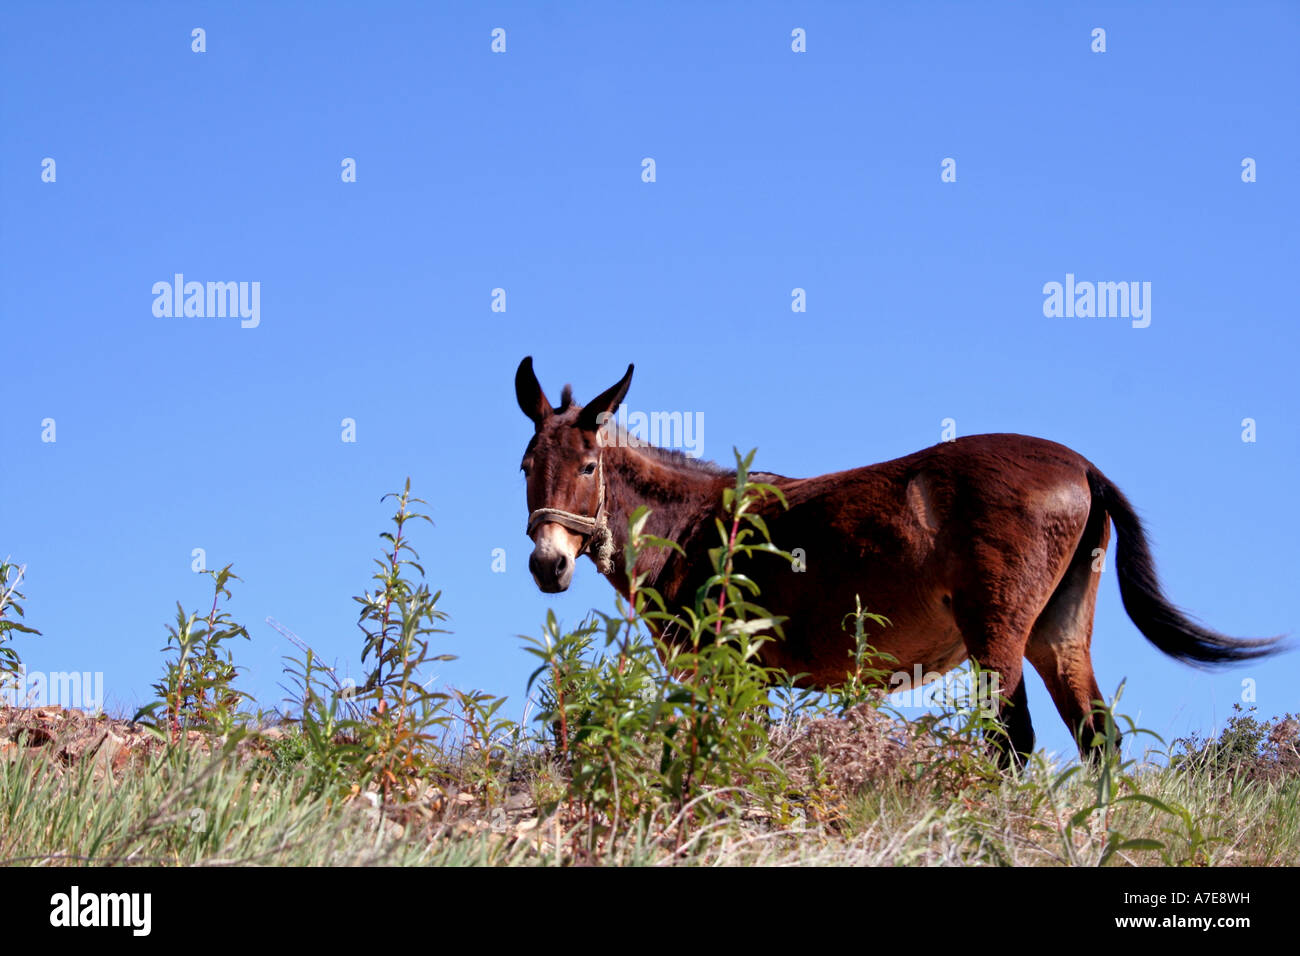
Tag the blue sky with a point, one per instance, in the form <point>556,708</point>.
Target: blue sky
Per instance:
<point>775,170</point>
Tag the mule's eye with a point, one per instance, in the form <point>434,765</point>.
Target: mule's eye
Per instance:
<point>588,469</point>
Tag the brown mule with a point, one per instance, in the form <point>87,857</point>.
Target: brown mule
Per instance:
<point>986,547</point>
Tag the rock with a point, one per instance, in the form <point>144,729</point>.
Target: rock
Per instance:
<point>33,735</point>
<point>111,754</point>
<point>81,745</point>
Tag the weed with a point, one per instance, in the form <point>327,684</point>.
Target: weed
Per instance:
<point>10,577</point>
<point>196,691</point>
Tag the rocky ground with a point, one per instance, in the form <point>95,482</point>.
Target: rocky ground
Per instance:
<point>72,735</point>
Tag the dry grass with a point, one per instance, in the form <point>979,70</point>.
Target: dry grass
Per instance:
<point>862,790</point>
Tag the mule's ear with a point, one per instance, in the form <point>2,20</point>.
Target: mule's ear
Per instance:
<point>529,394</point>
<point>606,402</point>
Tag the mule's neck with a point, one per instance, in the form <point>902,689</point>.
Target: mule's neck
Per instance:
<point>682,500</point>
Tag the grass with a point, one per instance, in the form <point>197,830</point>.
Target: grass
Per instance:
<point>254,803</point>
<point>639,753</point>
<point>184,807</point>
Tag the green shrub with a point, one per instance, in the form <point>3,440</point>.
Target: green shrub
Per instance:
<point>197,689</point>
<point>666,728</point>
<point>1246,748</point>
<point>10,663</point>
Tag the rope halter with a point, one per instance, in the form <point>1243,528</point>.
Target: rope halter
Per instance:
<point>599,541</point>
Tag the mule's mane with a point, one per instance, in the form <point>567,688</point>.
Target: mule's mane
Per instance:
<point>674,458</point>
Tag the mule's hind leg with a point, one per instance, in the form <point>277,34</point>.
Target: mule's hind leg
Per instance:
<point>1060,643</point>
<point>1014,565</point>
<point>997,643</point>
<point>997,610</point>
<point>1013,733</point>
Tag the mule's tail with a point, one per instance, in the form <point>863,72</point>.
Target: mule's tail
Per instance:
<point>1163,624</point>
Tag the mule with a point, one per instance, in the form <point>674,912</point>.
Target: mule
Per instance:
<point>987,547</point>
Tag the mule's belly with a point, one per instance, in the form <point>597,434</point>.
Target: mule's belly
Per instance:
<point>819,641</point>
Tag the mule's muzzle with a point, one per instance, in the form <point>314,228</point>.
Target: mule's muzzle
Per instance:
<point>551,567</point>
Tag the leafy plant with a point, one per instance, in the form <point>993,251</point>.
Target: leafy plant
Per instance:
<point>327,755</point>
<point>489,738</point>
<point>398,618</point>
<point>1114,786</point>
<point>196,691</point>
<point>10,663</point>
<point>390,732</point>
<point>1246,748</point>
<point>668,723</point>
<point>867,679</point>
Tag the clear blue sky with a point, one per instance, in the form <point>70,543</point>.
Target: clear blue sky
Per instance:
<point>522,170</point>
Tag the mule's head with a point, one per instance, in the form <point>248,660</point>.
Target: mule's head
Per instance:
<point>565,476</point>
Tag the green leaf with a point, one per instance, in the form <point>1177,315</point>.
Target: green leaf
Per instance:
<point>1140,844</point>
